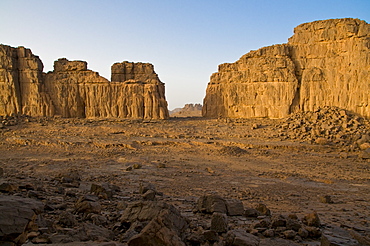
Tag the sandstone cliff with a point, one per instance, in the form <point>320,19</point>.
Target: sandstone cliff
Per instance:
<point>21,83</point>
<point>325,63</point>
<point>71,90</point>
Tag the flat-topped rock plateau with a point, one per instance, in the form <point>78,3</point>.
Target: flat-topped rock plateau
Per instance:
<point>185,181</point>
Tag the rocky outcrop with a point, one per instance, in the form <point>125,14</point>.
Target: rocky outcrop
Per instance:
<point>21,83</point>
<point>189,110</point>
<point>71,90</point>
<point>325,63</point>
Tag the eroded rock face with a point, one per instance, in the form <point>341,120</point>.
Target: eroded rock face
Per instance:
<point>325,63</point>
<point>21,83</point>
<point>72,90</point>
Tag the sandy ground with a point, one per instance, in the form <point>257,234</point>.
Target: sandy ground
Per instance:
<point>189,157</point>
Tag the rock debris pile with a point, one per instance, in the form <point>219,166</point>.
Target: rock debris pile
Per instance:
<point>328,125</point>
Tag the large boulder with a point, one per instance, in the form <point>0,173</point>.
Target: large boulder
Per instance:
<point>17,218</point>
<point>162,224</point>
<point>325,63</point>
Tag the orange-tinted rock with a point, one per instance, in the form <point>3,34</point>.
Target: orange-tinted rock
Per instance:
<point>72,90</point>
<point>325,63</point>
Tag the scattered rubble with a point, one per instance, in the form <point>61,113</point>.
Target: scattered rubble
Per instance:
<point>96,216</point>
<point>328,126</point>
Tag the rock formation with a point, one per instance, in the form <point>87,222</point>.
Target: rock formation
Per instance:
<point>72,90</point>
<point>325,63</point>
<point>21,83</point>
<point>189,110</point>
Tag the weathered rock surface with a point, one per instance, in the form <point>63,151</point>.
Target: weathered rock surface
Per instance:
<point>325,63</point>
<point>21,84</point>
<point>17,218</point>
<point>165,225</point>
<point>72,90</point>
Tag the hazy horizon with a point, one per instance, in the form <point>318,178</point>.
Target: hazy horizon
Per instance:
<point>185,41</point>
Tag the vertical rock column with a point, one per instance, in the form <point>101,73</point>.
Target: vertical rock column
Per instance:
<point>140,93</point>
<point>71,88</point>
<point>10,98</point>
<point>34,100</point>
<point>21,83</point>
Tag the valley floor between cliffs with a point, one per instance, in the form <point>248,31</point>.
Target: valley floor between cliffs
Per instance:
<point>184,159</point>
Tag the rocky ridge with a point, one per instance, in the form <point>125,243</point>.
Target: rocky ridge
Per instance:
<point>189,110</point>
<point>72,90</point>
<point>325,63</point>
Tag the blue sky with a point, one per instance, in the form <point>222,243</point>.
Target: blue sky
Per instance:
<point>184,40</point>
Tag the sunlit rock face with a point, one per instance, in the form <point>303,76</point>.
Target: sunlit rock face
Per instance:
<point>71,90</point>
<point>325,63</point>
<point>21,83</point>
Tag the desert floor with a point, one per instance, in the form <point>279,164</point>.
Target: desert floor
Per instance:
<point>186,158</point>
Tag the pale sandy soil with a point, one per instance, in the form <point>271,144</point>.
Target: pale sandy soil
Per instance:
<point>200,156</point>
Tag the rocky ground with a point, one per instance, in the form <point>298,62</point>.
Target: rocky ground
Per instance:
<point>304,180</point>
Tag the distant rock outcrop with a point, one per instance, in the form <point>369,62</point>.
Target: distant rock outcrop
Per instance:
<point>189,110</point>
<point>325,63</point>
<point>71,90</point>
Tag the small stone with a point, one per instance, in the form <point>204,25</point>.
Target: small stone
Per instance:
<point>161,165</point>
<point>211,203</point>
<point>326,199</point>
<point>364,146</point>
<point>343,155</point>
<point>241,238</point>
<point>211,236</point>
<point>99,220</point>
<point>219,222</point>
<point>311,219</point>
<point>149,195</point>
<point>293,216</point>
<point>303,233</point>
<point>137,166</point>
<point>278,221</point>
<point>144,187</point>
<point>85,205</point>
<point>234,207</point>
<point>251,212</point>
<point>365,154</point>
<point>121,205</point>
<point>67,219</point>
<point>313,232</point>
<point>289,234</point>
<point>209,170</point>
<point>255,126</point>
<point>7,188</point>
<point>321,141</point>
<point>262,208</point>
<point>293,224</point>
<point>262,224</point>
<point>269,233</point>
